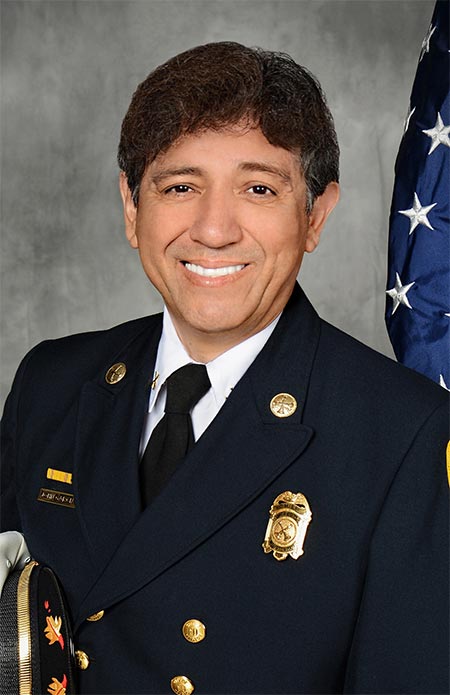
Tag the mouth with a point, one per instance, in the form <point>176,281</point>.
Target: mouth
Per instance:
<point>213,272</point>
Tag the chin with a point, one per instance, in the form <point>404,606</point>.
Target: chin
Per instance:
<point>213,319</point>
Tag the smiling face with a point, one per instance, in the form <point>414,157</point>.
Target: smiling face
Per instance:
<point>221,227</point>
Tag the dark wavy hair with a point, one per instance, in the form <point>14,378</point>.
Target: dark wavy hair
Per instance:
<point>219,85</point>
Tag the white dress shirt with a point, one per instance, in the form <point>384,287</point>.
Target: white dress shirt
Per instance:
<point>224,372</point>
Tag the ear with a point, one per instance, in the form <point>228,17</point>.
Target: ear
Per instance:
<point>129,211</point>
<point>322,207</point>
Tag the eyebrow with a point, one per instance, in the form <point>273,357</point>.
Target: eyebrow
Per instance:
<point>162,174</point>
<point>267,168</point>
<point>251,166</point>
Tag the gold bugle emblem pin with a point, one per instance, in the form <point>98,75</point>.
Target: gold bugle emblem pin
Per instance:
<point>283,405</point>
<point>290,515</point>
<point>115,373</point>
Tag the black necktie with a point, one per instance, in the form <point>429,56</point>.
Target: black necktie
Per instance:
<point>173,436</point>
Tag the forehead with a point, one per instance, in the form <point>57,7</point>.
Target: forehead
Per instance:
<point>234,147</point>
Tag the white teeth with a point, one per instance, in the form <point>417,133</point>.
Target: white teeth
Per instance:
<point>213,272</point>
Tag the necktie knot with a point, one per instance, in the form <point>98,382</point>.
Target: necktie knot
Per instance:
<point>185,387</point>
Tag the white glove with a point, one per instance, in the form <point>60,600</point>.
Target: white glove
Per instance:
<point>14,554</point>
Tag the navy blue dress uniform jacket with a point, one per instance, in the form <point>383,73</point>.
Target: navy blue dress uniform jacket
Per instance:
<point>363,610</point>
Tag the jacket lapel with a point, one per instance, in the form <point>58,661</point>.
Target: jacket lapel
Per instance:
<point>222,474</point>
<point>109,426</point>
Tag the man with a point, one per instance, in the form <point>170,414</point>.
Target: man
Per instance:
<point>300,545</point>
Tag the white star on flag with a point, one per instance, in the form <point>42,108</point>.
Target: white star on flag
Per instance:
<point>418,214</point>
<point>442,382</point>
<point>440,134</point>
<point>426,41</point>
<point>398,294</point>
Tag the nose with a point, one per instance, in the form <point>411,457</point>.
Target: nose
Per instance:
<point>216,224</point>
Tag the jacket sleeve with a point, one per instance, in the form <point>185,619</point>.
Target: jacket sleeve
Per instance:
<point>400,644</point>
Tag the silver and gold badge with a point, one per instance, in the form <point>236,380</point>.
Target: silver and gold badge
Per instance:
<point>290,515</point>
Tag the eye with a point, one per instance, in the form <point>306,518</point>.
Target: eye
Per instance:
<point>262,191</point>
<point>178,189</point>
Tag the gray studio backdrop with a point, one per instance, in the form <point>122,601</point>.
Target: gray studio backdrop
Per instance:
<point>68,71</point>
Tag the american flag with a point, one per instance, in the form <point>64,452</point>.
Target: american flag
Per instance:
<point>418,294</point>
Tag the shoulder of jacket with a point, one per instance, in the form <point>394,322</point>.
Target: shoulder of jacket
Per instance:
<point>385,380</point>
<point>86,350</point>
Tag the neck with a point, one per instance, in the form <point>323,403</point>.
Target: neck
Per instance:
<point>204,347</point>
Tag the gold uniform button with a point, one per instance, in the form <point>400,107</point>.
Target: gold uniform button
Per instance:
<point>82,660</point>
<point>181,685</point>
<point>115,373</point>
<point>194,631</point>
<point>283,405</point>
<point>95,616</point>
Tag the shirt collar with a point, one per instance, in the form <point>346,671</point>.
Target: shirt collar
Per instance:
<point>224,371</point>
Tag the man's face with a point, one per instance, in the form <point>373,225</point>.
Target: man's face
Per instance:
<point>221,227</point>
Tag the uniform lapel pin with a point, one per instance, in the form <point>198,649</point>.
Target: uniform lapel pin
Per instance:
<point>283,405</point>
<point>289,517</point>
<point>115,373</point>
<point>155,381</point>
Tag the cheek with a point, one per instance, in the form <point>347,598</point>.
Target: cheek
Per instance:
<point>286,258</point>
<point>152,236</point>
<point>283,243</point>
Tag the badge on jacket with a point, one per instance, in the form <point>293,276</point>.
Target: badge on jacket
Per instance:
<point>290,515</point>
